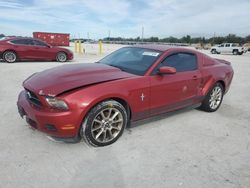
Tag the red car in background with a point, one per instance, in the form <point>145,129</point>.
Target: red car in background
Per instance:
<point>97,101</point>
<point>20,48</point>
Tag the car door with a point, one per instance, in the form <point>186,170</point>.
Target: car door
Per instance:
<point>227,48</point>
<point>41,50</point>
<point>222,48</point>
<point>173,91</point>
<point>23,47</point>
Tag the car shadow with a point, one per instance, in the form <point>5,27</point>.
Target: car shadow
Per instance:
<point>131,126</point>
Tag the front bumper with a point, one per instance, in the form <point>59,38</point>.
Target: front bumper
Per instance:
<point>59,124</point>
<point>70,56</point>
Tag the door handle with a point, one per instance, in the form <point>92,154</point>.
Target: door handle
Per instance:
<point>195,77</point>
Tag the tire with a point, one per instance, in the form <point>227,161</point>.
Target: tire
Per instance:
<point>61,57</point>
<point>213,51</point>
<point>9,56</point>
<point>235,52</point>
<point>212,101</point>
<point>104,124</point>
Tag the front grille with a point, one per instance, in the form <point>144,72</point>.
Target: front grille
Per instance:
<point>31,96</point>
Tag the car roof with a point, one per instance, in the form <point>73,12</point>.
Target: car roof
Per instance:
<point>7,39</point>
<point>17,38</point>
<point>160,47</point>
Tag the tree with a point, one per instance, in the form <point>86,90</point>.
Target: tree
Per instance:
<point>186,39</point>
<point>247,38</point>
<point>231,38</point>
<point>153,39</point>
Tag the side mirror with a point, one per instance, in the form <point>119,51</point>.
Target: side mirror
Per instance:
<point>167,70</point>
<point>49,46</point>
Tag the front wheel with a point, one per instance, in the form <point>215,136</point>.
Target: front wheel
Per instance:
<point>61,57</point>
<point>104,123</point>
<point>213,99</point>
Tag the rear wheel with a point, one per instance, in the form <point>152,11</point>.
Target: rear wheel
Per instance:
<point>105,123</point>
<point>213,51</point>
<point>61,57</point>
<point>213,99</point>
<point>9,56</point>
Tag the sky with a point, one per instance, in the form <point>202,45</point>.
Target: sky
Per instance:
<point>125,18</point>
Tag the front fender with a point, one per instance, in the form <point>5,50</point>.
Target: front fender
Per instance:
<point>83,100</point>
<point>96,101</point>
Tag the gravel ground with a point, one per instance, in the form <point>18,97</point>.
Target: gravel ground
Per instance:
<point>188,148</point>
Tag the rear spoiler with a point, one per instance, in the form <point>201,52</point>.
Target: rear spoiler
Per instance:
<point>223,61</point>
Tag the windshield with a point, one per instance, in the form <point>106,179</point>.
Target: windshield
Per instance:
<point>4,38</point>
<point>132,60</point>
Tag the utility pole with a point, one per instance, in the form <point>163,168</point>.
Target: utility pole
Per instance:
<point>109,35</point>
<point>88,35</point>
<point>142,33</point>
<point>214,38</point>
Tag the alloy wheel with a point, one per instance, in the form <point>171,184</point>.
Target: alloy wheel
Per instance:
<point>215,97</point>
<point>61,57</point>
<point>106,125</point>
<point>10,57</point>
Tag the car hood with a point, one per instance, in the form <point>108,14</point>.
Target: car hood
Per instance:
<point>60,79</point>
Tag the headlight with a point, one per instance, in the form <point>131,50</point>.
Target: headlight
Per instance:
<point>56,103</point>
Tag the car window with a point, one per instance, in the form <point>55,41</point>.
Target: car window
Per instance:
<point>39,43</point>
<point>222,45</point>
<point>3,38</point>
<point>180,61</point>
<point>227,45</point>
<point>132,59</point>
<point>22,42</point>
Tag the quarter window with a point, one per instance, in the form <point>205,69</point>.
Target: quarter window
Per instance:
<point>181,62</point>
<point>39,43</point>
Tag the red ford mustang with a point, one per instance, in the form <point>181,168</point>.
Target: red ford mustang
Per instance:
<point>20,48</point>
<point>97,101</point>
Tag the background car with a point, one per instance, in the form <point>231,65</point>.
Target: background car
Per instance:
<point>228,48</point>
<point>20,48</point>
<point>98,100</point>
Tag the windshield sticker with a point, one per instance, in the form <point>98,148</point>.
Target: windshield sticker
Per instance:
<point>151,53</point>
